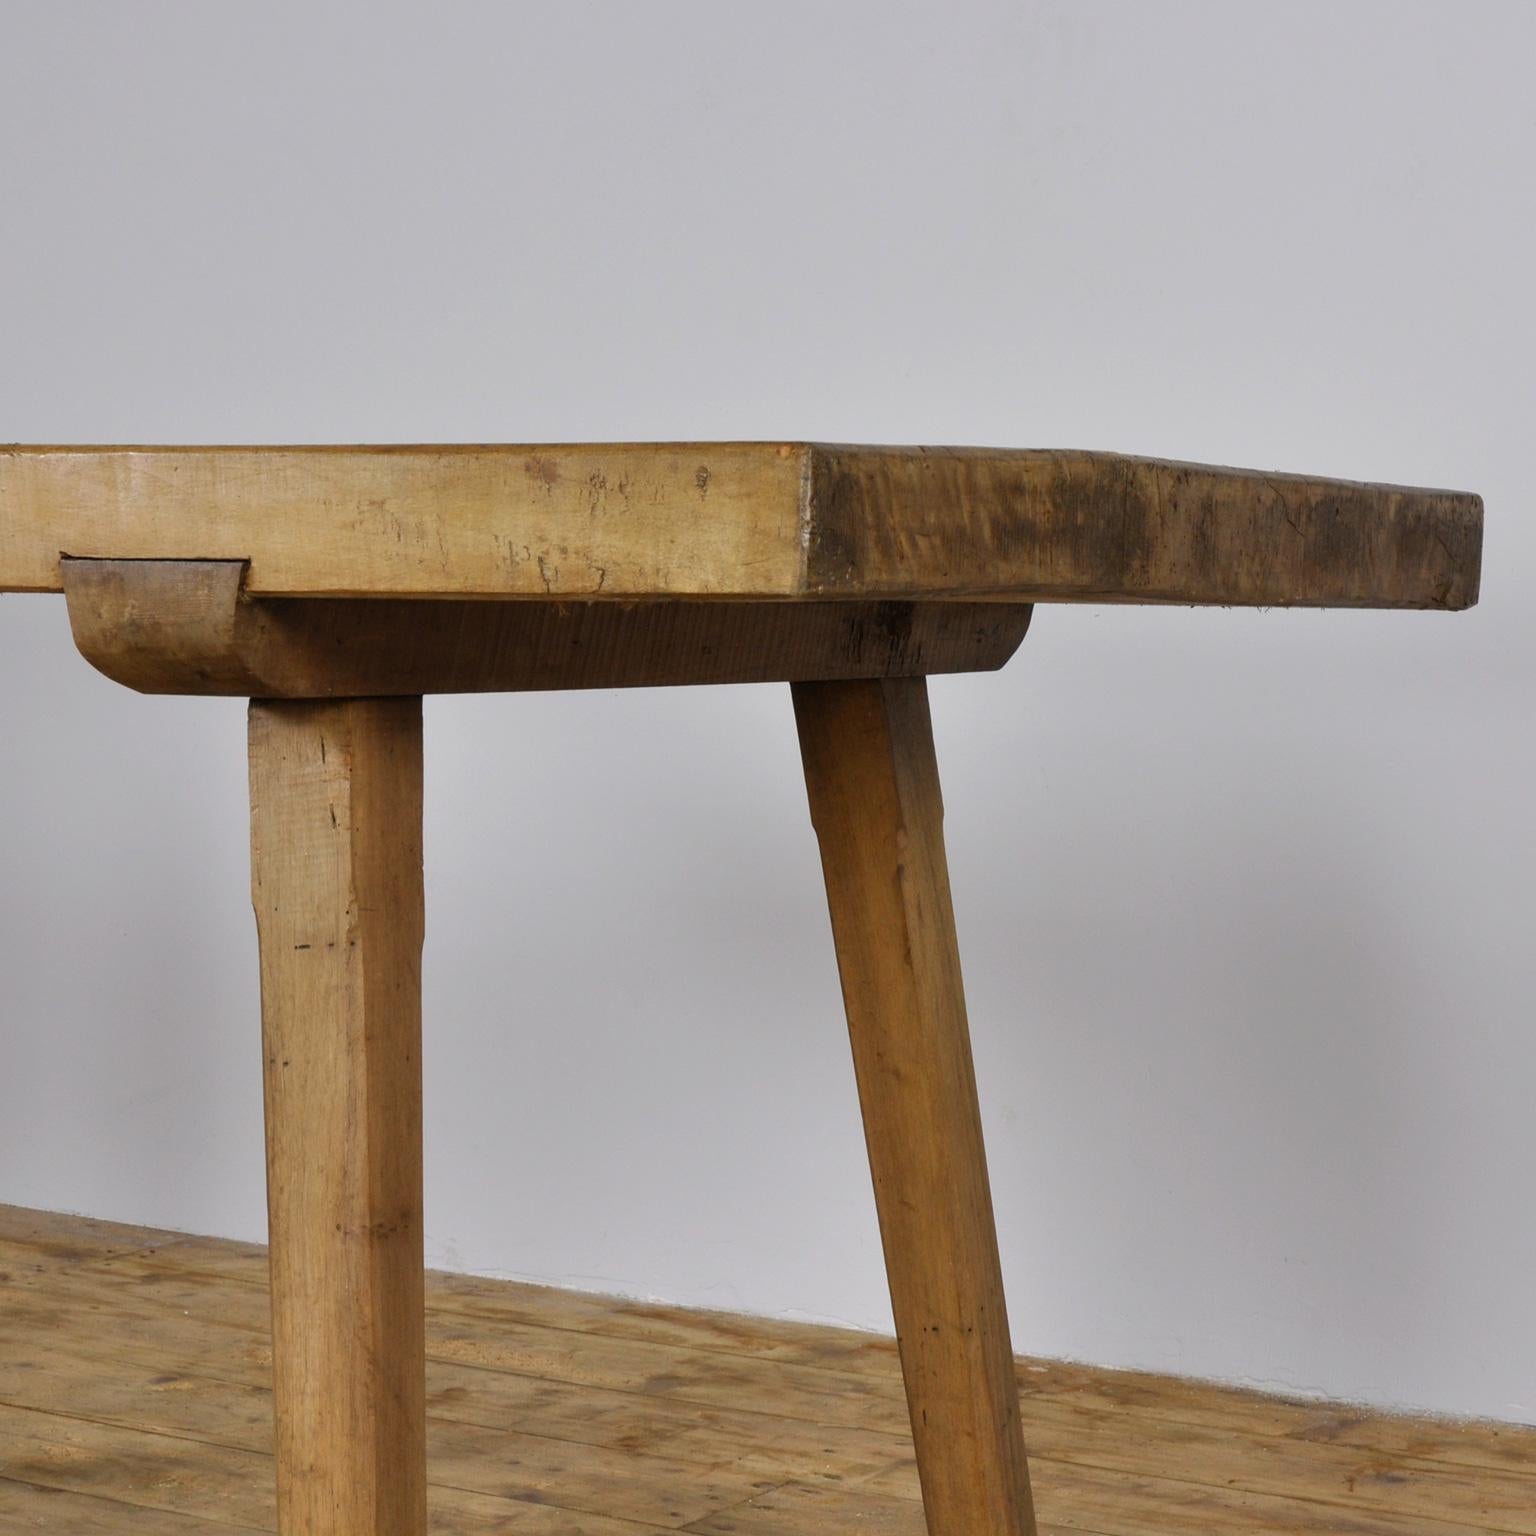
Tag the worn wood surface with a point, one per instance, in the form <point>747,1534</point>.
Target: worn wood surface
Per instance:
<point>873,784</point>
<point>336,881</point>
<point>750,521</point>
<point>185,626</point>
<point>135,1398</point>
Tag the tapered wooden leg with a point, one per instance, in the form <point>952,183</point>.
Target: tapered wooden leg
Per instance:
<point>874,792</point>
<point>337,887</point>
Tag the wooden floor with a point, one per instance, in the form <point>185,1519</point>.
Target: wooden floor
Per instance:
<point>134,1398</point>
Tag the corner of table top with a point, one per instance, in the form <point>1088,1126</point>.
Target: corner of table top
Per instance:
<point>740,521</point>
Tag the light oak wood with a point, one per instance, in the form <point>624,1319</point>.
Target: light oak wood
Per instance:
<point>747,521</point>
<point>336,881</point>
<point>186,626</point>
<point>332,578</point>
<point>134,1374</point>
<point>873,784</point>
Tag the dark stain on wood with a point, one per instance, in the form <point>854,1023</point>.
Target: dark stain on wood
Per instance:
<point>1048,525</point>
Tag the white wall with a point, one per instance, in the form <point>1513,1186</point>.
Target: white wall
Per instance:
<point>1245,897</point>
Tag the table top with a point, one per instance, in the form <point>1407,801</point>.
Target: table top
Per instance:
<point>739,521</point>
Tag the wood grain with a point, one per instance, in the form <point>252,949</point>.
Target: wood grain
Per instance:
<point>1095,527</point>
<point>747,521</point>
<point>336,881</point>
<point>186,626</point>
<point>874,792</point>
<point>134,1370</point>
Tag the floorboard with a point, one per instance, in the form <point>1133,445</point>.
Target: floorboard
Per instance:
<point>135,1401</point>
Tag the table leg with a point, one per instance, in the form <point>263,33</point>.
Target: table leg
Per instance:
<point>337,887</point>
<point>874,791</point>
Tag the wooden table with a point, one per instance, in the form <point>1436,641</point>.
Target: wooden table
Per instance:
<point>335,586</point>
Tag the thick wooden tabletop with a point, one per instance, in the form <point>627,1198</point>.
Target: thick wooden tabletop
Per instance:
<point>739,521</point>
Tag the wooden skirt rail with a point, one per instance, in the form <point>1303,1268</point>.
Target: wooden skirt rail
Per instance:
<point>188,626</point>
